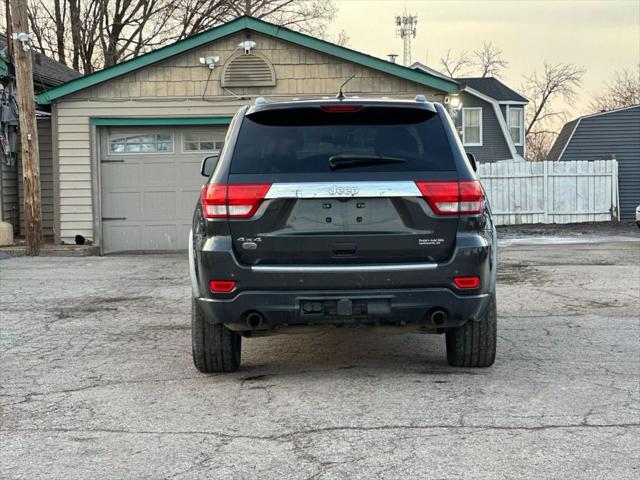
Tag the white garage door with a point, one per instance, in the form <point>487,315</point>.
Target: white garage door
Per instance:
<point>150,182</point>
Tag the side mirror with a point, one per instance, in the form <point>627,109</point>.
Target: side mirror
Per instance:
<point>208,165</point>
<point>472,161</point>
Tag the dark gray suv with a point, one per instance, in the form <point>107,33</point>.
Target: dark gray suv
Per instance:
<point>342,213</point>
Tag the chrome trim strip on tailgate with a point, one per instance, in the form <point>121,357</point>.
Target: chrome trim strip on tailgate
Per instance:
<point>399,267</point>
<point>343,189</point>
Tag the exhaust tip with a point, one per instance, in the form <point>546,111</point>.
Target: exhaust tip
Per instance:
<point>439,317</point>
<point>254,319</point>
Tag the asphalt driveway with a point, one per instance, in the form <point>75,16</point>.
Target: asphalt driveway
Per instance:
<point>97,381</point>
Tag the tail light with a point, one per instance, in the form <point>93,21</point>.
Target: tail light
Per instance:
<point>453,198</point>
<point>467,282</point>
<point>232,201</point>
<point>222,286</point>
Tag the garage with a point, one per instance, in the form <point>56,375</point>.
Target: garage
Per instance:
<point>127,141</point>
<point>149,182</point>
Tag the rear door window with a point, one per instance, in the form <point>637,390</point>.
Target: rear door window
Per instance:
<point>302,140</point>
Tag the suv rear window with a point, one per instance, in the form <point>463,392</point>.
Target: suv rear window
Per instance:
<point>302,140</point>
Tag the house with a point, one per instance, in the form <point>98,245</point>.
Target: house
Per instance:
<point>491,117</point>
<point>47,73</point>
<point>604,135</point>
<point>129,139</point>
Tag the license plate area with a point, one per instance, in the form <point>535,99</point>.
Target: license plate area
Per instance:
<point>345,307</point>
<point>346,215</point>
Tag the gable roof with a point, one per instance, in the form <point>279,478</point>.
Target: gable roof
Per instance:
<point>47,72</point>
<point>260,26</point>
<point>562,140</point>
<point>490,86</point>
<point>432,71</point>
<point>491,100</point>
<point>498,115</point>
<point>494,88</point>
<point>569,128</point>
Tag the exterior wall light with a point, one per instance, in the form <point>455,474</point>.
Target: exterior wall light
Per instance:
<point>24,38</point>
<point>211,62</point>
<point>247,45</point>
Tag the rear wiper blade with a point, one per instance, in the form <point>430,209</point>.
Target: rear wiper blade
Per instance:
<point>352,161</point>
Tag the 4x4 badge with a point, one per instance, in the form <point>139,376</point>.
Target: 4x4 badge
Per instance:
<point>346,191</point>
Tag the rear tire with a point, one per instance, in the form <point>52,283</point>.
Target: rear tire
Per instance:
<point>474,343</point>
<point>215,348</point>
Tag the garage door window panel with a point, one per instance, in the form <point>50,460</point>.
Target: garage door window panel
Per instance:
<point>202,142</point>
<point>141,143</point>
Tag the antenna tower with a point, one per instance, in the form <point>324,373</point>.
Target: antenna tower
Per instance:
<point>406,29</point>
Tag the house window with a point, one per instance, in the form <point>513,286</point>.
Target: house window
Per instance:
<point>141,143</point>
<point>516,124</point>
<point>202,142</point>
<point>472,126</point>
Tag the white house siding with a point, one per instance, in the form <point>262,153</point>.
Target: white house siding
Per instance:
<point>174,88</point>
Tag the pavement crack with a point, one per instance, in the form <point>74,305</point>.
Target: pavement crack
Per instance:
<point>312,431</point>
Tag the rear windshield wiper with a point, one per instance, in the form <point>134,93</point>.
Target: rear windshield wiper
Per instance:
<point>353,161</point>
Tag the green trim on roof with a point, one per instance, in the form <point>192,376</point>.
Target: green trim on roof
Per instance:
<point>235,26</point>
<point>164,121</point>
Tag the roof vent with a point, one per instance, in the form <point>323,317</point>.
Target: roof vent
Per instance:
<point>248,71</point>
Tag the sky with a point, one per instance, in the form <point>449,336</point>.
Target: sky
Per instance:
<point>600,35</point>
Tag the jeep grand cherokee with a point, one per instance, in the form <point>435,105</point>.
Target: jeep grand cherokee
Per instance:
<point>342,213</point>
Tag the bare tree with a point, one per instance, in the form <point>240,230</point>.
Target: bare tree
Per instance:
<point>555,82</point>
<point>539,144</point>
<point>560,80</point>
<point>456,66</point>
<point>84,22</point>
<point>622,91</point>
<point>484,62</point>
<point>91,34</point>
<point>489,61</point>
<point>342,39</point>
<point>195,16</point>
<point>43,17</point>
<point>307,16</point>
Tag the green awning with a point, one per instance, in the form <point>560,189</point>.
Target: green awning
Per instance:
<point>158,121</point>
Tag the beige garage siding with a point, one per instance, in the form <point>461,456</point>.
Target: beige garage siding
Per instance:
<point>77,154</point>
<point>174,88</point>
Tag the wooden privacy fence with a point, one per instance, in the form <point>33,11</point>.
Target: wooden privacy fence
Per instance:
<point>551,192</point>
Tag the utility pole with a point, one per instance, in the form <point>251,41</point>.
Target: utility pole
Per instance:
<point>406,26</point>
<point>7,12</point>
<point>28,127</point>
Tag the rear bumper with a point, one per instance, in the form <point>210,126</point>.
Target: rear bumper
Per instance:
<point>213,258</point>
<point>377,294</point>
<point>367,307</point>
